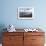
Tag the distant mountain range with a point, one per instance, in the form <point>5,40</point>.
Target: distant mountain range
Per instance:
<point>25,14</point>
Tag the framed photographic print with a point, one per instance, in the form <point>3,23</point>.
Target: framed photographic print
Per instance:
<point>25,13</point>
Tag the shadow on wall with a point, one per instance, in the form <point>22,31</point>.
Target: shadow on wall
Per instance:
<point>2,26</point>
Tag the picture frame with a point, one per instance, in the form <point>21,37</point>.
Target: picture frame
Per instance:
<point>25,13</point>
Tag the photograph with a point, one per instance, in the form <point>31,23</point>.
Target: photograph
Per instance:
<point>25,13</point>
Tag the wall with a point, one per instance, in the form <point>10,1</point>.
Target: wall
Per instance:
<point>8,13</point>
